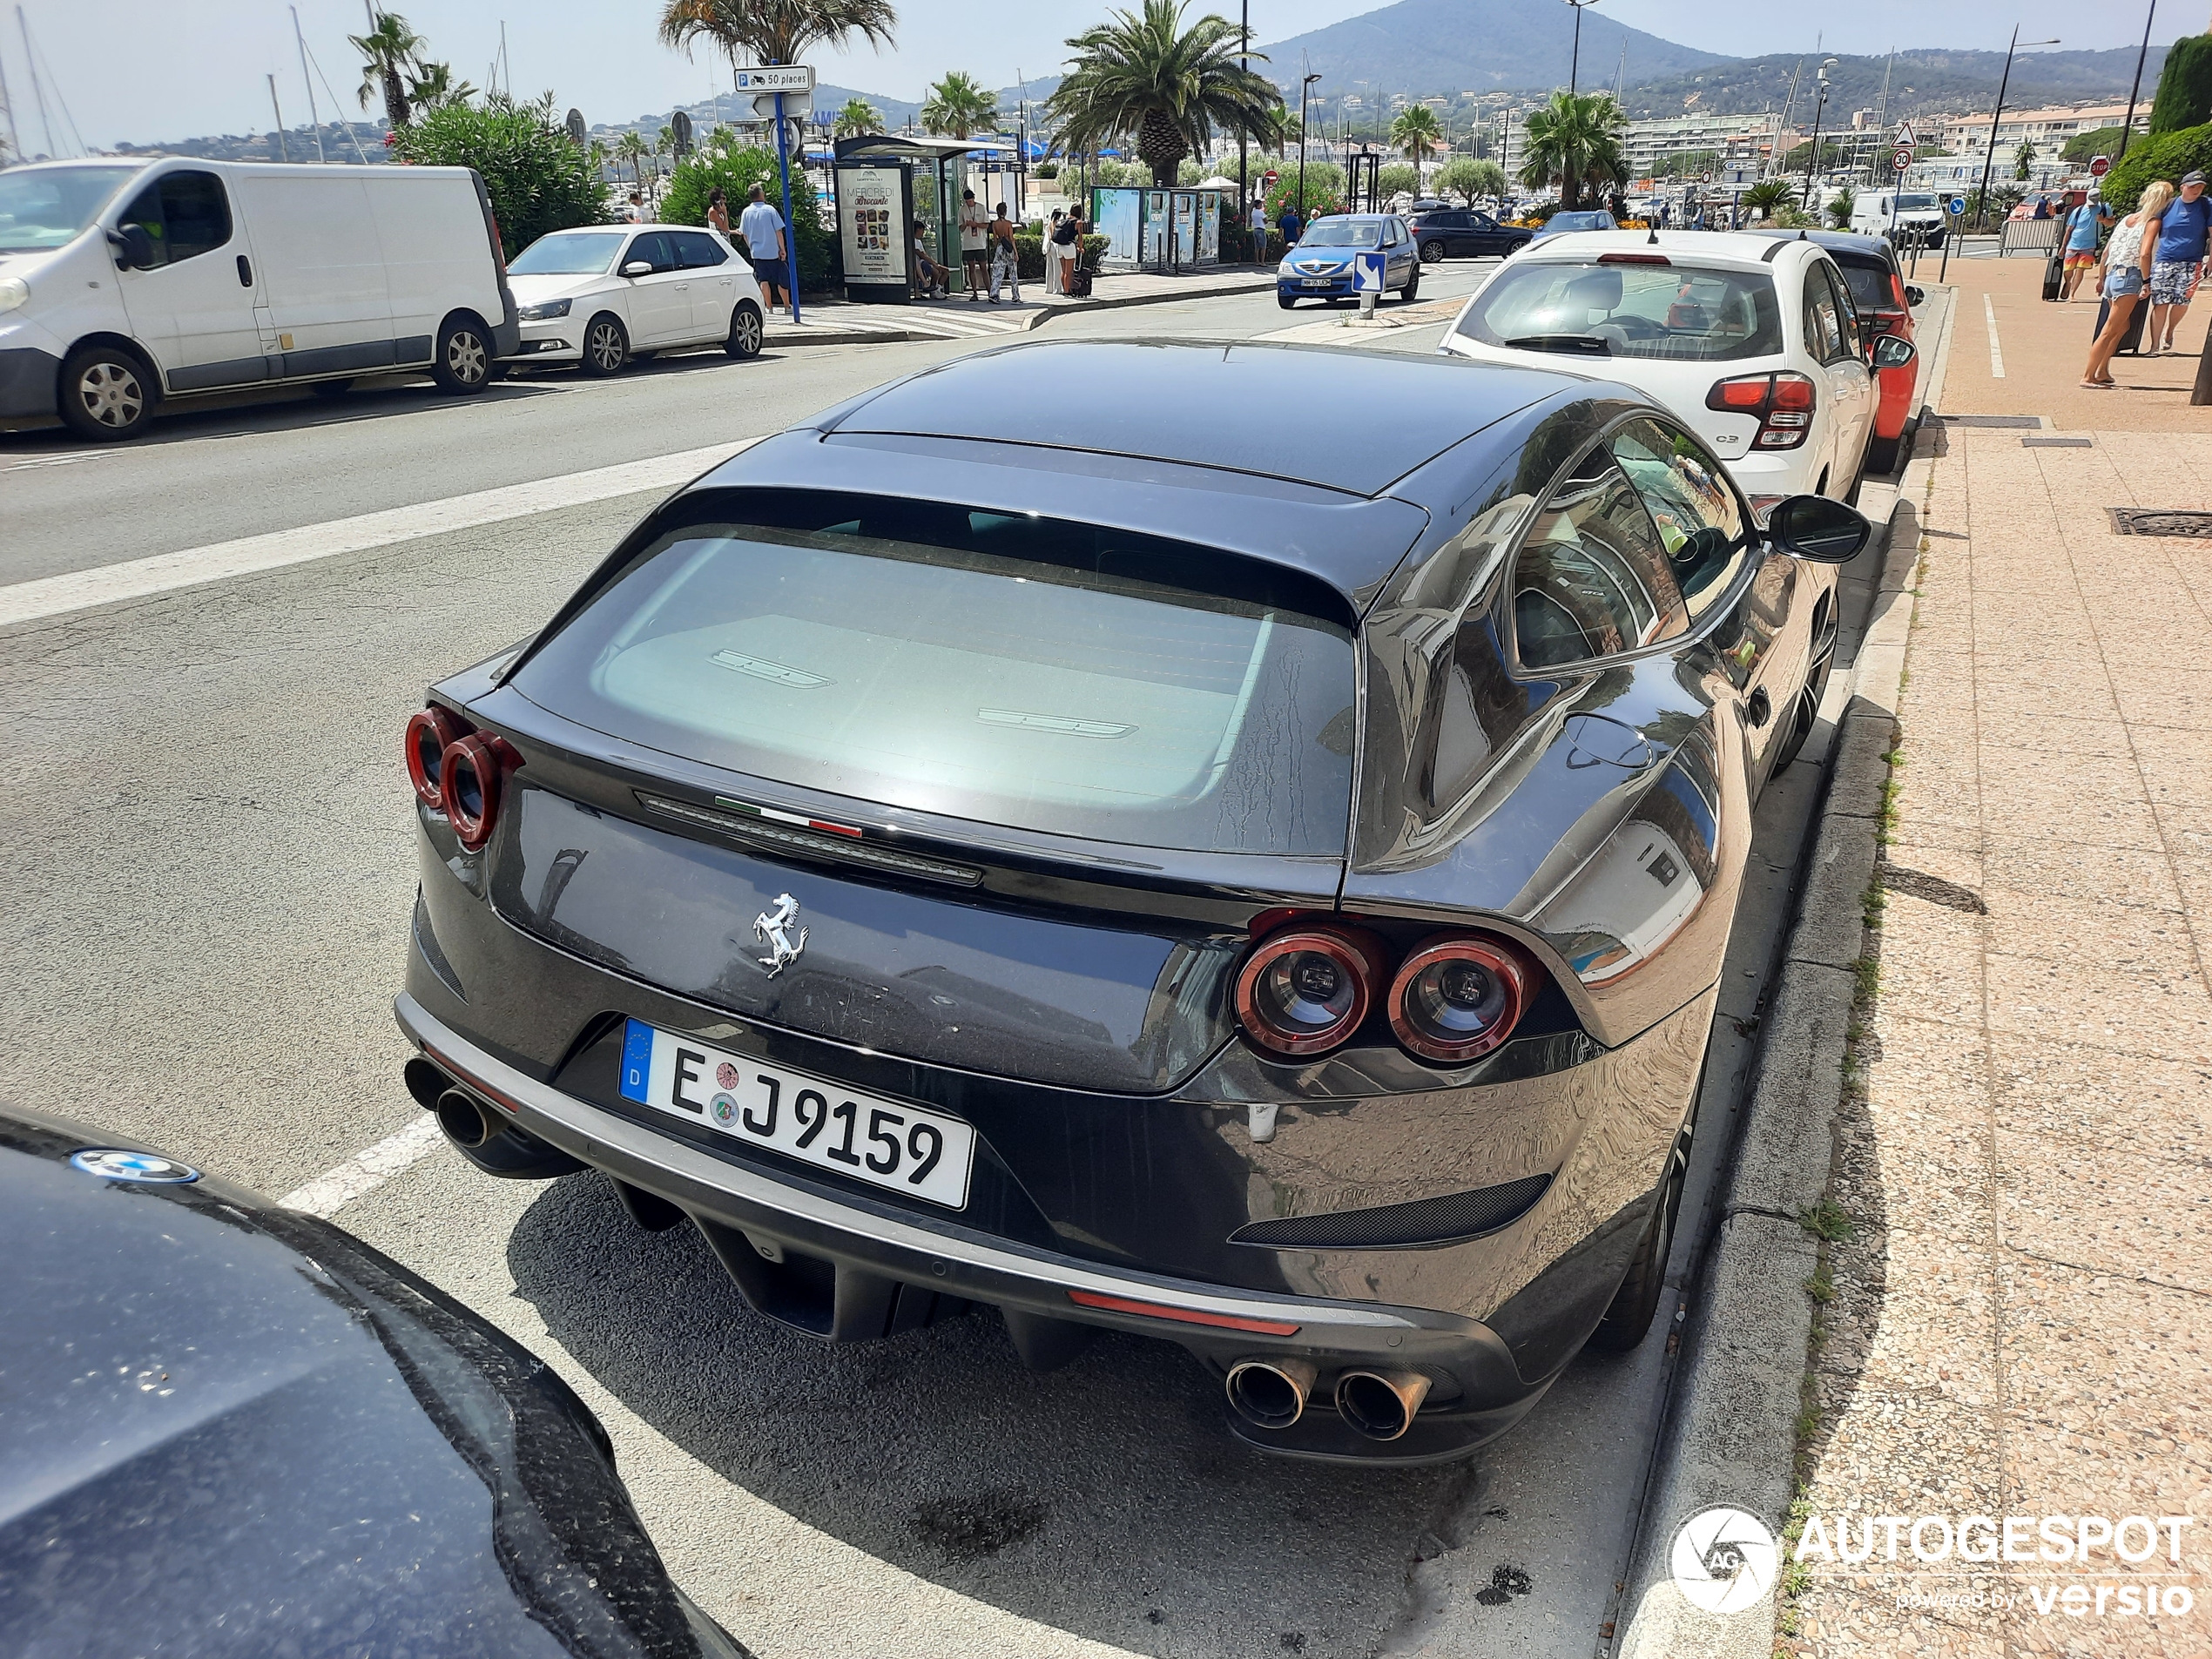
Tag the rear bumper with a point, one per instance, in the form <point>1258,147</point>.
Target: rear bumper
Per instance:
<point>884,1265</point>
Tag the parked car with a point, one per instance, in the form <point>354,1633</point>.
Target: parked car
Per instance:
<point>1322,264</point>
<point>946,851</point>
<point>1582,219</point>
<point>1893,213</point>
<point>234,1429</point>
<point>602,296</point>
<point>1885,301</point>
<point>1752,341</point>
<point>1466,232</point>
<point>123,283</point>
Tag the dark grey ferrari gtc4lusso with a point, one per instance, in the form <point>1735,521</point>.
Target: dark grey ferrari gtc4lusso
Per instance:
<point>1140,857</point>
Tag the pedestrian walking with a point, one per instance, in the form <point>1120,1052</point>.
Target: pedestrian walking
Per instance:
<point>2083,227</point>
<point>2178,265</point>
<point>1067,239</point>
<point>718,212</point>
<point>1006,257</point>
<point>762,226</point>
<point>2127,264</point>
<point>975,243</point>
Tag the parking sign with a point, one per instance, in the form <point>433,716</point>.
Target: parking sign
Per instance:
<point>1368,270</point>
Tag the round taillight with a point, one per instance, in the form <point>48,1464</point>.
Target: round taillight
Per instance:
<point>469,784</point>
<point>1307,989</point>
<point>1456,998</point>
<point>428,735</point>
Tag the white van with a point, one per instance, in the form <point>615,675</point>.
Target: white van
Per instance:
<point>1891,213</point>
<point>124,282</point>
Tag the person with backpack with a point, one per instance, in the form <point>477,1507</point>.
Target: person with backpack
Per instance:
<point>1067,242</point>
<point>2083,227</point>
<point>1005,259</point>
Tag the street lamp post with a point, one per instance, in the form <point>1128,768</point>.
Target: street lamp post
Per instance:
<point>1303,87</point>
<point>1574,63</point>
<point>1819,103</point>
<point>2006,80</point>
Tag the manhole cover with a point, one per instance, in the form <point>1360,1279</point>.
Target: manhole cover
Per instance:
<point>2160,521</point>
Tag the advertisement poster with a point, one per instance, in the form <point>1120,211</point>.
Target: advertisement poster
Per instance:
<point>1209,229</point>
<point>1186,226</point>
<point>874,226</point>
<point>1115,213</point>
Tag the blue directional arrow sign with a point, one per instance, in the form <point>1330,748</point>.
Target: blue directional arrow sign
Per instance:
<point>1368,269</point>
<point>1958,205</point>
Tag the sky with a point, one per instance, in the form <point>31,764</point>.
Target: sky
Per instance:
<point>149,70</point>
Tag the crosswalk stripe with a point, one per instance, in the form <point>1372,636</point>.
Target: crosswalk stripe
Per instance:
<point>53,596</point>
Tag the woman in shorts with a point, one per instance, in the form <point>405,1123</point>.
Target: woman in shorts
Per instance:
<point>2128,261</point>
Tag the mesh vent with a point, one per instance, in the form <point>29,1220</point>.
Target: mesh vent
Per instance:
<point>1449,1220</point>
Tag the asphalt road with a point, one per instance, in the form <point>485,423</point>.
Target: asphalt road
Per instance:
<point>210,864</point>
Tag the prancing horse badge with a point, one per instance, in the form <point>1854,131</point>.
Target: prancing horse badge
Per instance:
<point>773,927</point>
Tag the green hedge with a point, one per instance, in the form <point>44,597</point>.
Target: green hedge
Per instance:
<point>1028,252</point>
<point>2184,86</point>
<point>2168,156</point>
<point>538,180</point>
<point>820,264</point>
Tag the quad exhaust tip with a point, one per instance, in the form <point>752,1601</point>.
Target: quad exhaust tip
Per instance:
<point>1380,1404</point>
<point>1270,1394</point>
<point>462,1119</point>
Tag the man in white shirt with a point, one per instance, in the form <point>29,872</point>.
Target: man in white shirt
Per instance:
<point>762,226</point>
<point>633,211</point>
<point>1259,229</point>
<point>975,243</point>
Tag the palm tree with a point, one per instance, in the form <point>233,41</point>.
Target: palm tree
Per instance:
<point>774,31</point>
<point>1414,132</point>
<point>2024,162</point>
<point>1840,209</point>
<point>958,105</point>
<point>389,51</point>
<point>858,119</point>
<point>1767,196</point>
<point>1143,77</point>
<point>431,86</point>
<point>1573,141</point>
<point>631,147</point>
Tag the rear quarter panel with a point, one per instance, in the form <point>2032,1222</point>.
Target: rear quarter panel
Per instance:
<point>437,254</point>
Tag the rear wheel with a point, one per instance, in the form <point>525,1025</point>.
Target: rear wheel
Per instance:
<point>1628,1320</point>
<point>106,393</point>
<point>1412,286</point>
<point>606,345</point>
<point>461,366</point>
<point>1881,454</point>
<point>745,330</point>
<point>1804,713</point>
<point>1432,252</point>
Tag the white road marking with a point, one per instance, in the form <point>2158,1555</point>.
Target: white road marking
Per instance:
<point>1996,357</point>
<point>138,578</point>
<point>63,459</point>
<point>366,1170</point>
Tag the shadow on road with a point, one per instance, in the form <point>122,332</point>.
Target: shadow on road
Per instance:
<point>1106,1498</point>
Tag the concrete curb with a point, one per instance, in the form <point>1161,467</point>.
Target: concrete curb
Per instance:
<point>1730,1434</point>
<point>1029,321</point>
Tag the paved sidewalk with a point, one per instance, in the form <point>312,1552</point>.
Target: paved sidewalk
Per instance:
<point>2017,1322</point>
<point>837,323</point>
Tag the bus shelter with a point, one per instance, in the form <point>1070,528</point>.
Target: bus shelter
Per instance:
<point>1160,230</point>
<point>883,182</point>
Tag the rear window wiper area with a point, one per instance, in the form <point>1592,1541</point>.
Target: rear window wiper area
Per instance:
<point>1587,345</point>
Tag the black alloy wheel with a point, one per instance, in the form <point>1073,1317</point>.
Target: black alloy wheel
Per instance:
<point>1804,713</point>
<point>1433,251</point>
<point>606,345</point>
<point>461,366</point>
<point>106,393</point>
<point>745,331</point>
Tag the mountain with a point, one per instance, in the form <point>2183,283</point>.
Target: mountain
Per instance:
<point>1420,47</point>
<point>1921,80</point>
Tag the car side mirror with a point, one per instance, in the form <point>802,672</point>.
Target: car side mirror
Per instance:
<point>135,247</point>
<point>1891,351</point>
<point>1915,295</point>
<point>637,268</point>
<point>1815,528</point>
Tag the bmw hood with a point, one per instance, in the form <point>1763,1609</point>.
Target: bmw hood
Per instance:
<point>227,1427</point>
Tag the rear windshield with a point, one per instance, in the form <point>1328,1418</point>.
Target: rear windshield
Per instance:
<point>1682,313</point>
<point>587,253</point>
<point>1007,668</point>
<point>1869,285</point>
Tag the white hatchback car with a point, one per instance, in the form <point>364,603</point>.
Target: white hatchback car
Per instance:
<point>1751,341</point>
<point>601,295</point>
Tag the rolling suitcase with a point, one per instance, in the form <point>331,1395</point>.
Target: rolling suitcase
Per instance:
<point>2131,342</point>
<point>2054,273</point>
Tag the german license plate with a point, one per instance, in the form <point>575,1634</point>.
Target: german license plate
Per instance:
<point>890,1145</point>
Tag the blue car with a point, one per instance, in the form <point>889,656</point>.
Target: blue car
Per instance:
<point>1588,218</point>
<point>1321,265</point>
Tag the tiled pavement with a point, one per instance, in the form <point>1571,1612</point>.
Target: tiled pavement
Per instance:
<point>2022,1315</point>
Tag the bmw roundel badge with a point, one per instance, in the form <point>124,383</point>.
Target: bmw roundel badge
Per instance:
<point>111,1164</point>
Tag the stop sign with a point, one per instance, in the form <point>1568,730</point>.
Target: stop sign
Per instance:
<point>2100,166</point>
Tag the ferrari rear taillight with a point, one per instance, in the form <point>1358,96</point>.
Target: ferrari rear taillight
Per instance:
<point>1307,989</point>
<point>470,786</point>
<point>1458,996</point>
<point>1783,404</point>
<point>429,734</point>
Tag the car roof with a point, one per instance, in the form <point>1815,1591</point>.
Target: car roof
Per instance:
<point>1731,248</point>
<point>1873,247</point>
<point>1353,421</point>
